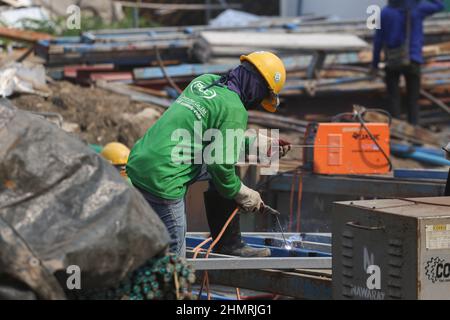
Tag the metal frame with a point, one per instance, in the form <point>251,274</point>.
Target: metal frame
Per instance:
<point>260,263</point>
<point>311,244</point>
<point>297,284</point>
<point>379,187</point>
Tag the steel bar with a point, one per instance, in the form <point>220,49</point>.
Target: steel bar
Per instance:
<point>435,100</point>
<point>385,187</point>
<point>291,284</point>
<point>312,237</point>
<point>260,263</point>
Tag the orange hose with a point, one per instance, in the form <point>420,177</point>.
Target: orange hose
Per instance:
<point>198,248</point>
<point>224,228</point>
<point>291,202</point>
<point>299,201</point>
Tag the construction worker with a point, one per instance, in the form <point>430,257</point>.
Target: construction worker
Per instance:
<point>117,154</point>
<point>210,102</point>
<point>401,37</point>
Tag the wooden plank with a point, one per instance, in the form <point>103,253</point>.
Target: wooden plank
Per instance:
<point>23,35</point>
<point>403,130</point>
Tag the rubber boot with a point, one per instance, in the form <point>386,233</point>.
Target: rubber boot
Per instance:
<point>218,210</point>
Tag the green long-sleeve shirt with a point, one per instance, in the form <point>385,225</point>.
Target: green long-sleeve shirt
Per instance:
<point>169,156</point>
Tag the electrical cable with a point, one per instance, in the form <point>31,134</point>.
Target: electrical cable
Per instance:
<point>164,71</point>
<point>205,281</point>
<point>358,115</point>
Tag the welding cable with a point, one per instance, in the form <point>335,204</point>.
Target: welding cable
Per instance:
<point>363,123</point>
<point>238,294</point>
<point>205,281</point>
<point>199,248</point>
<point>299,200</point>
<point>291,202</point>
<point>164,71</point>
<point>196,251</point>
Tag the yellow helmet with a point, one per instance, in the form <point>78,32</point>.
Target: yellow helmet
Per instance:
<point>273,71</point>
<point>116,153</point>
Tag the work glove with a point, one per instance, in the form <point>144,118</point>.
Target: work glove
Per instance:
<point>447,151</point>
<point>283,146</point>
<point>248,199</point>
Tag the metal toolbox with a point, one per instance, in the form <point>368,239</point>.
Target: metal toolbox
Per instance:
<point>391,249</point>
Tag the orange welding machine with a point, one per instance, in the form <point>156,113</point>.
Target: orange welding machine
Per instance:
<point>347,148</point>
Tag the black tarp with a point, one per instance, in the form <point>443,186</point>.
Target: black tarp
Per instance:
<point>62,205</point>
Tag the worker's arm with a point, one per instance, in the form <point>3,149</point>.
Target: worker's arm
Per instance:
<point>223,173</point>
<point>428,8</point>
<point>377,46</point>
<point>223,170</point>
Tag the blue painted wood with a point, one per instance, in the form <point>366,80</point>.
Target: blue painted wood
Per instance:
<point>184,70</point>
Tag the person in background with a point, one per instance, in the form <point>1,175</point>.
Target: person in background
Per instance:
<point>117,154</point>
<point>401,36</point>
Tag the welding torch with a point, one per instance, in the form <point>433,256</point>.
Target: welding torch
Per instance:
<point>269,210</point>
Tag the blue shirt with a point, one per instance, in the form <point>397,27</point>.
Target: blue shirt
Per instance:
<point>393,29</point>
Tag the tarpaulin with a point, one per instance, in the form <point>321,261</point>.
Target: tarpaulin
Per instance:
<point>62,205</point>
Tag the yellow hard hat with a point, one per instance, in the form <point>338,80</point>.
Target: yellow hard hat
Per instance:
<point>117,153</point>
<point>273,71</point>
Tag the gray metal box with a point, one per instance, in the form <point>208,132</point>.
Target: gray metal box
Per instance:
<point>391,249</point>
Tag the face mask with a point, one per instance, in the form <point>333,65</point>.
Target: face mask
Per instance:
<point>249,85</point>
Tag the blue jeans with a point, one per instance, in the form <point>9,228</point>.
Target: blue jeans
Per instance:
<point>172,213</point>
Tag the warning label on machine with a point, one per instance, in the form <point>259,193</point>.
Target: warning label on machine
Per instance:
<point>438,236</point>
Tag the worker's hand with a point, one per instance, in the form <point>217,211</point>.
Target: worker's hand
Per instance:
<point>447,151</point>
<point>283,146</point>
<point>248,199</point>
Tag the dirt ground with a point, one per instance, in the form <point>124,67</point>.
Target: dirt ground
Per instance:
<point>97,116</point>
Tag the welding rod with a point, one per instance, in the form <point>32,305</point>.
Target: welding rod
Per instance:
<point>313,146</point>
<point>269,210</point>
<point>282,232</point>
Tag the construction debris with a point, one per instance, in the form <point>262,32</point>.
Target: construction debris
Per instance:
<point>75,94</point>
<point>24,78</point>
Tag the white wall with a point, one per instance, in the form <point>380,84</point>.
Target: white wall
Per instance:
<point>345,9</point>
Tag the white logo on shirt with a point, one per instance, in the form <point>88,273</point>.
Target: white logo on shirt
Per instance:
<point>199,88</point>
